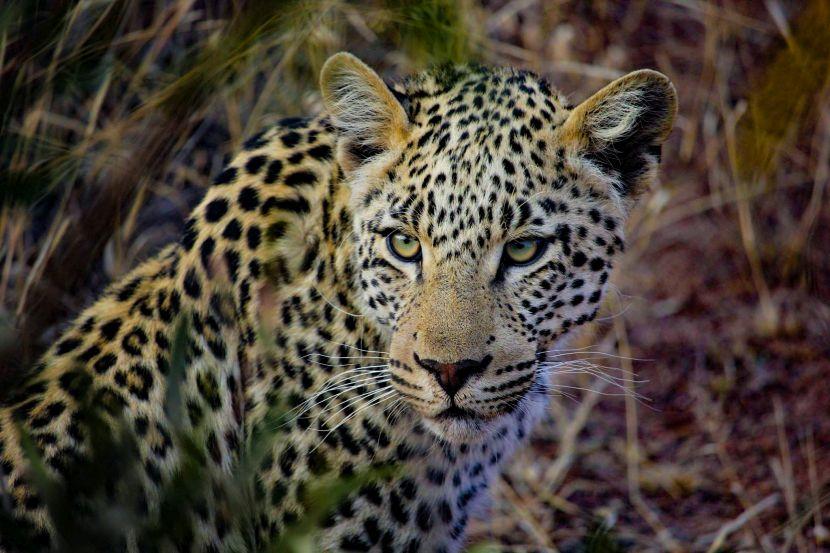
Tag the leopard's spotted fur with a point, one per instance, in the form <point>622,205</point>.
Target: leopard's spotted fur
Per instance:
<point>286,281</point>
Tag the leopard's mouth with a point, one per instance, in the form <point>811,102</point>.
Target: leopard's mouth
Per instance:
<point>454,412</point>
<point>457,424</point>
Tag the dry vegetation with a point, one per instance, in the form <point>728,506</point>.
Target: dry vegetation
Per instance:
<point>116,114</point>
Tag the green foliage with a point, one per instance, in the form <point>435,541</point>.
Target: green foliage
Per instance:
<point>434,31</point>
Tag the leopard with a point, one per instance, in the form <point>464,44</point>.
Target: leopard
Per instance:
<point>389,275</point>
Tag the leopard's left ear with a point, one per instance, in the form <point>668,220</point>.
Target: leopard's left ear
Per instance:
<point>368,116</point>
<point>620,129</point>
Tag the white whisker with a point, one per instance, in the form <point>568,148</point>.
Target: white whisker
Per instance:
<point>370,403</point>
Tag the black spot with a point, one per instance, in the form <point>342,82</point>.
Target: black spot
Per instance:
<point>254,164</point>
<point>226,177</point>
<point>287,459</point>
<point>413,546</point>
<point>233,230</point>
<point>128,290</point>
<point>189,236</point>
<point>192,287</point>
<point>354,543</point>
<point>290,139</point>
<point>317,462</point>
<point>152,471</point>
<point>213,448</point>
<point>436,476</point>
<point>579,259</point>
<point>424,517</point>
<point>371,492</point>
<point>361,152</point>
<point>209,390</point>
<point>273,172</point>
<point>597,264</point>
<point>408,488</point>
<point>248,198</point>
<point>309,256</point>
<point>278,493</point>
<point>141,381</point>
<point>141,423</point>
<point>254,237</point>
<point>104,363</point>
<point>276,230</point>
<point>216,209</point>
<point>298,205</point>
<point>299,178</point>
<point>445,512</point>
<point>109,330</point>
<point>75,383</point>
<point>205,251</point>
<point>134,341</point>
<point>256,141</point>
<point>48,414</point>
<point>67,345</point>
<point>348,441</point>
<point>232,261</point>
<point>372,529</point>
<point>397,508</point>
<point>321,152</point>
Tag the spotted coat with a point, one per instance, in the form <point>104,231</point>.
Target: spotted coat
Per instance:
<point>293,300</point>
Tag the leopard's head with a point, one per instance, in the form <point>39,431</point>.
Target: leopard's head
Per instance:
<point>487,217</point>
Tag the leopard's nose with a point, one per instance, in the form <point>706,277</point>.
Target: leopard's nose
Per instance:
<point>452,376</point>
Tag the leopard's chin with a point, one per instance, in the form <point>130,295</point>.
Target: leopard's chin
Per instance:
<point>456,425</point>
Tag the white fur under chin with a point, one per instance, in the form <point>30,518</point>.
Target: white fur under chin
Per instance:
<point>471,431</point>
<point>460,430</point>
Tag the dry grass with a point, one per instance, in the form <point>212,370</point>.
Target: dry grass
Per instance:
<point>115,115</point>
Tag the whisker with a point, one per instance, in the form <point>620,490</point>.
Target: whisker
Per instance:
<point>344,356</point>
<point>346,377</point>
<point>617,382</point>
<point>371,402</point>
<point>357,399</point>
<point>593,371</point>
<point>358,365</point>
<point>581,351</point>
<point>350,346</point>
<point>339,387</point>
<point>593,390</point>
<point>350,383</point>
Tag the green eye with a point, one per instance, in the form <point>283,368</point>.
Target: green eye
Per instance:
<point>404,247</point>
<point>522,252</point>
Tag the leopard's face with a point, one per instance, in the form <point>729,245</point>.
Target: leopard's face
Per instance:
<point>485,229</point>
<point>475,285</point>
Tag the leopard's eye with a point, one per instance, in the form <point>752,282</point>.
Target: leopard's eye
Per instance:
<point>523,252</point>
<point>403,246</point>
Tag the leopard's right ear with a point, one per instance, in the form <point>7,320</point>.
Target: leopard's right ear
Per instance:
<point>368,116</point>
<point>619,130</point>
